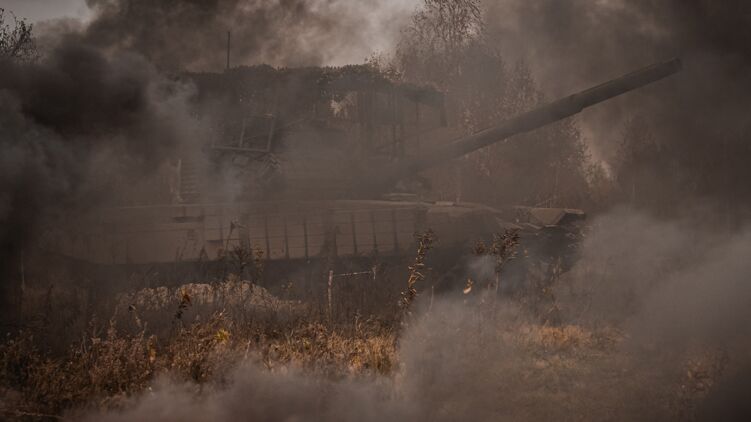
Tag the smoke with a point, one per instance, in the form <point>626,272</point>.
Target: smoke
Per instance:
<point>675,282</point>
<point>100,94</point>
<point>81,95</point>
<point>257,394</point>
<point>450,370</point>
<point>98,116</point>
<point>697,118</point>
<point>191,35</point>
<point>464,359</point>
<point>705,301</point>
<point>72,124</point>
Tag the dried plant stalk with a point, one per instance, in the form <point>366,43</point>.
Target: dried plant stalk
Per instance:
<point>416,270</point>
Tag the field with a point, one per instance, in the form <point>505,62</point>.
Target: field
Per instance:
<point>389,347</point>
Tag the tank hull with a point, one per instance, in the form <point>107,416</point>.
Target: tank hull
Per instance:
<point>288,231</point>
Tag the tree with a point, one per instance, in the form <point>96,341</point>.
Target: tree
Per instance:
<point>16,39</point>
<point>436,36</point>
<point>644,169</point>
<point>446,46</point>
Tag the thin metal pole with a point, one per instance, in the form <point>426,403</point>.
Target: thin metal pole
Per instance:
<point>229,35</point>
<point>23,280</point>
<point>330,285</point>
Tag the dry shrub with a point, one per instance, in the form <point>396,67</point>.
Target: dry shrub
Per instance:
<point>201,352</point>
<point>320,348</point>
<point>99,371</point>
<point>103,370</point>
<point>703,370</point>
<point>567,338</point>
<point>474,354</point>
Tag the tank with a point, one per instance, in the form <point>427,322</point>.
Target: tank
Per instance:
<point>328,174</point>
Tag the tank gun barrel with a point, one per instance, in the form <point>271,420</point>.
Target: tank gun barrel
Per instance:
<point>549,113</point>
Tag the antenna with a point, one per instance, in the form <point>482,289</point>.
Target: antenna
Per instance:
<point>229,35</point>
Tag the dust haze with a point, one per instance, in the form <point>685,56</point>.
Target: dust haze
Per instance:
<point>649,321</point>
<point>697,118</point>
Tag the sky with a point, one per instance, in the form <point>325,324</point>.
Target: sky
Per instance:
<point>41,10</point>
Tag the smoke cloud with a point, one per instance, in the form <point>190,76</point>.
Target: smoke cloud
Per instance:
<point>697,118</point>
<point>103,90</point>
<point>74,122</point>
<point>670,286</point>
<point>674,281</point>
<point>191,35</point>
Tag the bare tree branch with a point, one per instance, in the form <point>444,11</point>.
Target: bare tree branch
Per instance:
<point>16,39</point>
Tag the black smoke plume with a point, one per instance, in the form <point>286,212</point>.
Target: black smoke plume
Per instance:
<point>63,121</point>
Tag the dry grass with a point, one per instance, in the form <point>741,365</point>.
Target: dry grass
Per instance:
<point>201,333</point>
<point>544,368</point>
<point>196,333</point>
<point>102,371</point>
